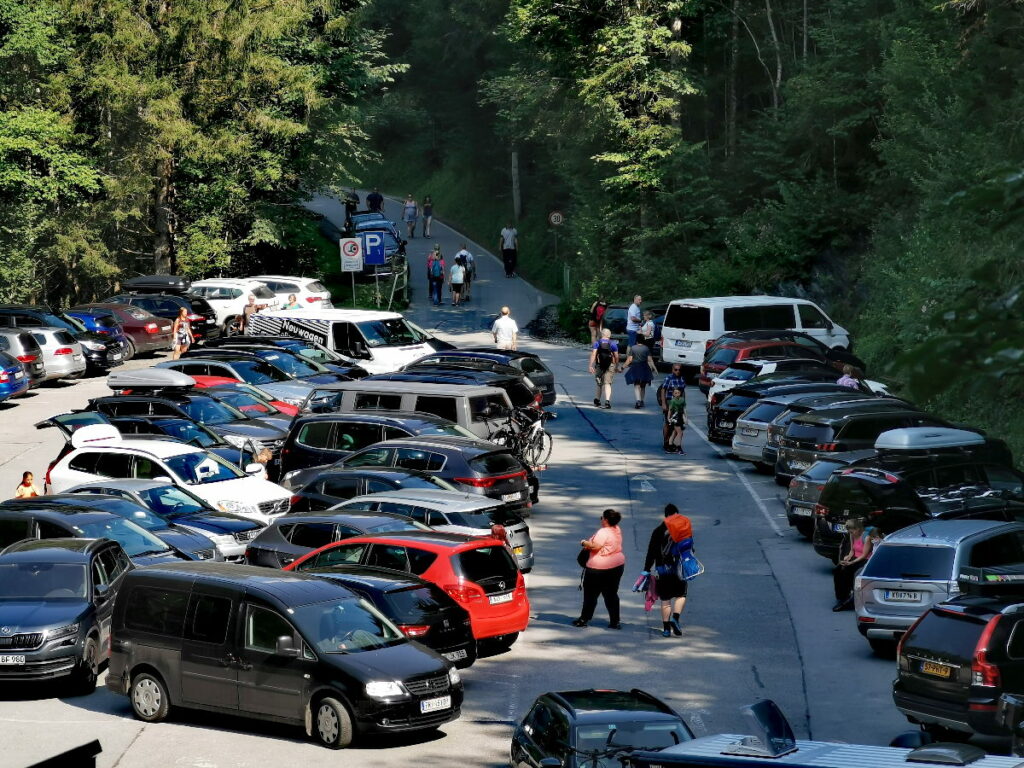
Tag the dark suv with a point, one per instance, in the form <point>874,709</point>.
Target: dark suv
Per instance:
<point>960,656</point>
<point>166,306</point>
<point>305,349</point>
<point>101,352</point>
<point>56,597</point>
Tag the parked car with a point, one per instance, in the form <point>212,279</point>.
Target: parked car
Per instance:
<point>727,355</point>
<point>63,357</point>
<point>961,655</point>
<point>201,316</point>
<point>528,363</point>
<point>568,726</point>
<point>13,381</point>
<point>917,567</point>
<point>145,331</point>
<point>22,346</point>
<point>478,573</point>
<point>837,356</point>
<point>100,453</point>
<point>309,291</point>
<point>453,512</point>
<point>319,439</point>
<point>104,323</point>
<point>38,518</point>
<point>805,489</point>
<point>421,610</point>
<point>229,297</point>
<point>751,369</point>
<point>339,667</point>
<point>520,390</point>
<point>223,384</point>
<point>304,348</point>
<point>101,353</point>
<point>244,367</point>
<point>181,508</point>
<point>58,594</point>
<point>295,365</point>
<point>319,488</point>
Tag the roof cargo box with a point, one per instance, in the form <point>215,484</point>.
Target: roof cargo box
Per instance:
<point>157,284</point>
<point>926,439</point>
<point>149,378</point>
<point>994,580</point>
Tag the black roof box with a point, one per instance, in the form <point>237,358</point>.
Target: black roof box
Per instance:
<point>991,581</point>
<point>157,284</point>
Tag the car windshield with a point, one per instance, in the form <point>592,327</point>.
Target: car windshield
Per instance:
<point>639,734</point>
<point>206,410</point>
<point>737,374</point>
<point>244,402</point>
<point>129,510</point>
<point>187,432</point>
<point>418,603</point>
<point>351,625</point>
<point>66,322</point>
<point>393,332</point>
<point>138,313</point>
<point>289,364</point>
<point>257,372</point>
<point>201,468</point>
<point>396,525</point>
<point>132,538</point>
<point>35,581</point>
<point>171,501</point>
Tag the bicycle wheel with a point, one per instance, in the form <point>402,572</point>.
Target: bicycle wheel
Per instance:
<point>538,450</point>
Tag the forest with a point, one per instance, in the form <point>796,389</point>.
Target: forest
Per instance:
<point>865,153</point>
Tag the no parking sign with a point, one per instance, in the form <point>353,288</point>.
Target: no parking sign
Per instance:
<point>351,254</point>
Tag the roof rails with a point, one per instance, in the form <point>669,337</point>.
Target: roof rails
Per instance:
<point>992,581</point>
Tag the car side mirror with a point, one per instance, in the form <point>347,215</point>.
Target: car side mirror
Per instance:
<point>285,646</point>
<point>101,591</point>
<point>254,469</point>
<point>829,325</point>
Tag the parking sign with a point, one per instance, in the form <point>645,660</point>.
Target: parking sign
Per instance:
<point>373,248</point>
<point>351,254</point>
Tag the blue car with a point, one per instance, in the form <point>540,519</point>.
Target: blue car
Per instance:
<point>13,379</point>
<point>101,321</point>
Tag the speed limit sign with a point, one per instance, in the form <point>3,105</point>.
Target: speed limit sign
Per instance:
<point>555,218</point>
<point>351,254</point>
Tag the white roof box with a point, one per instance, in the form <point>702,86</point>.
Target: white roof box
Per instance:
<point>926,438</point>
<point>95,434</point>
<point>149,378</point>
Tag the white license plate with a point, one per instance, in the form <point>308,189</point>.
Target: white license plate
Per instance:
<point>165,327</point>
<point>684,344</point>
<point>499,599</point>
<point>727,424</point>
<point>456,655</point>
<point>839,527</point>
<point>511,496</point>
<point>115,355</point>
<point>18,374</point>
<point>750,432</point>
<point>12,659</point>
<point>435,705</point>
<point>902,596</point>
<point>803,512</point>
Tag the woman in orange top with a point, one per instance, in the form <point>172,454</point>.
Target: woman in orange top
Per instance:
<point>27,489</point>
<point>603,571</point>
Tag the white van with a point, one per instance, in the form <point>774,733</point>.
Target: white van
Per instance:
<point>691,325</point>
<point>381,342</point>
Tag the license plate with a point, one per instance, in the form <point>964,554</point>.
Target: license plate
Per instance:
<point>750,432</point>
<point>839,527</point>
<point>115,355</point>
<point>435,705</point>
<point>165,327</point>
<point>456,655</point>
<point>518,550</point>
<point>799,465</point>
<point>511,496</point>
<point>18,374</point>
<point>684,344</point>
<point>938,670</point>
<point>499,599</point>
<point>803,512</point>
<point>12,659</point>
<point>727,424</point>
<point>902,596</point>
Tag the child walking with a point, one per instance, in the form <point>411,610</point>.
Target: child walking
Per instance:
<point>676,416</point>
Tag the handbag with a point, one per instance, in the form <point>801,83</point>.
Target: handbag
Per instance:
<point>691,567</point>
<point>583,557</point>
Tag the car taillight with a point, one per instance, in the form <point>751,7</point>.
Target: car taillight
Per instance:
<point>488,482</point>
<point>311,299</point>
<point>414,630</point>
<point>713,399</point>
<point>64,351</point>
<point>152,328</point>
<point>295,500</point>
<point>820,510</point>
<point>27,358</point>
<point>4,378</point>
<point>49,469</point>
<point>983,672</point>
<point>102,330</point>
<point>520,585</point>
<point>464,593</point>
<point>826,446</point>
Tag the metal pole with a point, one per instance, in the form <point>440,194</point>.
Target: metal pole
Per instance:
<point>353,290</point>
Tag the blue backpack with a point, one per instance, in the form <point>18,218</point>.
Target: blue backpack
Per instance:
<point>436,270</point>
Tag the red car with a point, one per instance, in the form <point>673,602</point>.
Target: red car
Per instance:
<point>727,354</point>
<point>478,572</point>
<point>145,331</point>
<point>287,409</point>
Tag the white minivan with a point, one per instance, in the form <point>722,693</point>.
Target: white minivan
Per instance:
<point>691,325</point>
<point>380,342</point>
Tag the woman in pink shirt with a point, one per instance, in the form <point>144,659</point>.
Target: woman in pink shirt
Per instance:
<point>603,571</point>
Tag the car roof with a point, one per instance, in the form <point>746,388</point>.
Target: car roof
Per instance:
<point>125,484</point>
<point>160,448</point>
<point>860,408</point>
<point>381,579</point>
<point>412,387</point>
<point>385,417</point>
<point>947,532</point>
<point>491,351</point>
<point>349,315</point>
<point>728,301</point>
<point>227,281</point>
<point>440,442</point>
<point>444,501</point>
<point>39,507</point>
<point>355,516</point>
<point>385,472</point>
<point>601,702</point>
<point>62,550</point>
<point>741,345</point>
<point>291,278</point>
<point>437,539</point>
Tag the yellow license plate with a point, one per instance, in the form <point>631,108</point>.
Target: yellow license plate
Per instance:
<point>939,670</point>
<point>519,550</point>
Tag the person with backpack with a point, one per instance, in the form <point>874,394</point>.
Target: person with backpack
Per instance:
<point>596,321</point>
<point>676,415</point>
<point>670,541</point>
<point>604,359</point>
<point>435,274</point>
<point>603,571</point>
<point>456,279</point>
<point>469,262</point>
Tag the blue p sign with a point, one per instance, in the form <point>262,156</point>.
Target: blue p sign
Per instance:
<point>373,248</point>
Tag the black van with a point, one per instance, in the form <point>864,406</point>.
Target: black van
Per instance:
<point>275,646</point>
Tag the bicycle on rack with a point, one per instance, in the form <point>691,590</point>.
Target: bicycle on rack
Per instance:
<point>523,433</point>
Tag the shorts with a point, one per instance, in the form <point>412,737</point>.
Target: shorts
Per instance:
<point>604,377</point>
<point>670,587</point>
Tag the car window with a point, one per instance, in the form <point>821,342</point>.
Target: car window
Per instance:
<point>13,530</point>
<point>48,530</point>
<point>208,619</point>
<point>200,468</point>
<point>193,369</point>
<point>84,462</point>
<point>364,506</point>
<point>371,401</point>
<point>904,561</point>
<point>810,317</point>
<point>114,465</point>
<point>354,436</point>
<point>529,365</point>
<point>413,458</point>
<point>312,535</point>
<point>156,610</point>
<point>380,486</point>
<point>487,407</point>
<point>867,429</point>
<point>388,556</point>
<point>946,634</point>
<point>113,564</point>
<point>371,457</point>
<point>551,733</point>
<point>484,563</point>
<point>343,554</point>
<point>255,372</point>
<point>315,434</point>
<point>263,627</point>
<point>1005,479</point>
<point>147,469</point>
<point>394,433</point>
<point>340,487</point>
<point>1003,549</point>
<point>960,474</point>
<point>496,463</point>
<point>418,514</point>
<point>445,407</point>
<point>392,332</point>
<point>1015,645</point>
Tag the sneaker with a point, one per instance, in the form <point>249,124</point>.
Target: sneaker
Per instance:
<point>676,629</point>
<point>579,623</point>
<point>597,403</point>
<point>666,633</point>
<point>667,449</point>
<point>638,404</point>
<point>616,625</point>
<point>607,406</point>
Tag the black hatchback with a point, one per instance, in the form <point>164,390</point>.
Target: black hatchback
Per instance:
<point>326,487</point>
<point>422,610</point>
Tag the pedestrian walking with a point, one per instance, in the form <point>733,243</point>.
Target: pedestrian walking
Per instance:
<point>181,334</point>
<point>428,215</point>
<point>846,569</point>
<point>640,370</point>
<point>671,382</point>
<point>505,330</point>
<point>604,359</point>
<point>455,280</point>
<point>351,204</point>
<point>375,201</point>
<point>435,274</point>
<point>661,566</point>
<point>646,333</point>
<point>634,319</point>
<point>27,487</point>
<point>603,571</point>
<point>596,320</point>
<point>676,415</point>
<point>410,212</point>
<point>508,242</point>
<point>469,262</point>
<point>293,302</point>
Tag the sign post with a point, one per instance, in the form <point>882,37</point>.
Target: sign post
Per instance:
<point>373,253</point>
<point>351,259</point>
<point>556,219</point>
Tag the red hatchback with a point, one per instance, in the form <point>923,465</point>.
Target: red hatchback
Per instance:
<point>145,331</point>
<point>205,382</point>
<point>737,352</point>
<point>478,572</point>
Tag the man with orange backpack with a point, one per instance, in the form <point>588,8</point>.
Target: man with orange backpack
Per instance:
<point>670,541</point>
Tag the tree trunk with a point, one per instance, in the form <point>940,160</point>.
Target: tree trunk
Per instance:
<point>731,86</point>
<point>163,223</point>
<point>805,32</point>
<point>777,82</point>
<point>517,200</point>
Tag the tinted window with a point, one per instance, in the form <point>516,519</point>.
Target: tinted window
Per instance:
<point>315,434</point>
<point>84,462</point>
<point>753,318</point>
<point>1005,479</point>
<point>420,560</point>
<point>48,530</point>
<point>903,561</point>
<point>425,461</point>
<point>34,581</point>
<point>161,611</point>
<point>414,604</point>
<point>653,735</point>
<point>388,556</point>
<point>354,436</point>
<point>369,401</point>
<point>821,470</point>
<point>487,407</point>
<point>210,616</point>
<point>810,317</point>
<point>764,412</point>
<point>486,563</point>
<point>724,357</point>
<point>12,531</point>
<point>809,433</point>
<point>312,535</point>
<point>737,401</point>
<point>263,627</point>
<point>439,406</point>
<point>999,550</point>
<point>688,318</point>
<point>868,429</point>
<point>340,555</point>
<point>371,457</point>
<point>340,487</point>
<point>497,463</point>
<point>847,493</point>
<point>946,634</point>
<point>114,465</point>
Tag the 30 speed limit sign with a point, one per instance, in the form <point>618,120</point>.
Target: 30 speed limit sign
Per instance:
<point>351,254</point>
<point>555,218</point>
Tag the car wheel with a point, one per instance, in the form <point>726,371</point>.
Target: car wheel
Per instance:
<point>149,698</point>
<point>230,328</point>
<point>129,349</point>
<point>805,528</point>
<point>332,723</point>
<point>884,648</point>
<point>88,669</point>
<point>781,481</point>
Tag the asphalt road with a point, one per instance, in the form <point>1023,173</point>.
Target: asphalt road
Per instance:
<point>758,623</point>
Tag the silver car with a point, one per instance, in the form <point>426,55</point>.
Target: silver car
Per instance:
<point>917,567</point>
<point>19,344</point>
<point>453,512</point>
<point>62,354</point>
<point>752,426</point>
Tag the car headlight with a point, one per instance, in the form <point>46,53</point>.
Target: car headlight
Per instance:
<point>296,401</point>
<point>385,689</point>
<point>238,441</point>
<point>65,631</point>
<point>205,554</point>
<point>454,677</point>
<point>92,346</point>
